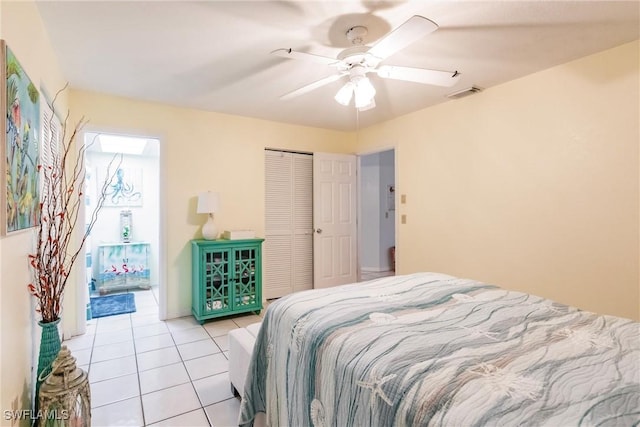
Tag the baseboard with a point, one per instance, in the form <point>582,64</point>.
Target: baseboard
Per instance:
<point>375,269</point>
<point>179,314</point>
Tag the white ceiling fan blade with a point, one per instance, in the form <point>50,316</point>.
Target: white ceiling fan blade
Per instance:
<point>415,28</point>
<point>419,75</point>
<point>292,54</point>
<point>311,86</point>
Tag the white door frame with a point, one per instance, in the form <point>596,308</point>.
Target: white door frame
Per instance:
<point>163,291</point>
<point>80,296</point>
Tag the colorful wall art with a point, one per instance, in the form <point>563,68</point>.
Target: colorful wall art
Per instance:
<point>20,201</point>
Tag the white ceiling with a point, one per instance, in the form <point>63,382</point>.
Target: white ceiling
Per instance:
<point>215,55</point>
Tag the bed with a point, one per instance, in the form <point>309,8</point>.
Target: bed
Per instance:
<point>431,349</point>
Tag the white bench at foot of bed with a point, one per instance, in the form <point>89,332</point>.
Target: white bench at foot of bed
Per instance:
<point>241,342</point>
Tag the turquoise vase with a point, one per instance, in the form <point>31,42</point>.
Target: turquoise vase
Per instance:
<point>49,349</point>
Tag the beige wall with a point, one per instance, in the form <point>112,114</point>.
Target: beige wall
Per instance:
<point>203,151</point>
<point>21,28</point>
<point>531,185</point>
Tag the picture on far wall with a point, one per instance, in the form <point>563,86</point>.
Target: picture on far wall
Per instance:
<point>19,204</point>
<point>125,189</point>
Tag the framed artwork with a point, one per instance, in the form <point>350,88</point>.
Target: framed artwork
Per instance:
<point>125,189</point>
<point>19,205</point>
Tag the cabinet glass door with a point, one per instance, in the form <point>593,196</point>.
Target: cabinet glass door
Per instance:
<point>245,260</point>
<point>216,280</point>
<point>137,264</point>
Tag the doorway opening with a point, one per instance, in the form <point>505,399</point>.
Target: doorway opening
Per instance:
<point>377,213</point>
<point>123,250</point>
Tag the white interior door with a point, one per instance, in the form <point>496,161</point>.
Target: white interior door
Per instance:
<point>334,217</point>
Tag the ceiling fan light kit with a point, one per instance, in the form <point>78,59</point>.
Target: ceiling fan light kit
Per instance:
<point>359,87</point>
<point>358,60</point>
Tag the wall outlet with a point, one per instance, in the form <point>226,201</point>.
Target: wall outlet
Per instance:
<point>403,198</point>
<point>403,219</point>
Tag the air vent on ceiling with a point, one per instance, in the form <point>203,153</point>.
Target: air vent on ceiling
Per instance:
<point>464,92</point>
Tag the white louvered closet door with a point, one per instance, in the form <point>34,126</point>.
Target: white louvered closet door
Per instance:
<point>302,264</point>
<point>288,250</point>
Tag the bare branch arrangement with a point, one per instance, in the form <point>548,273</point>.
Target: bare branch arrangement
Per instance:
<point>62,196</point>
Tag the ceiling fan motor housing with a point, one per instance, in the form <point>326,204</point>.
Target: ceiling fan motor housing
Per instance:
<point>358,53</point>
<point>357,72</point>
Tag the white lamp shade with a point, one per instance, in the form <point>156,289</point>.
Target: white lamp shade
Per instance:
<point>364,93</point>
<point>344,94</point>
<point>208,202</point>
<point>369,106</point>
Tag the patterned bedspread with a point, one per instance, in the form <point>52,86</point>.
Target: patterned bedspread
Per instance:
<point>433,350</point>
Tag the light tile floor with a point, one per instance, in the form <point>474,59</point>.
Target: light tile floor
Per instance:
<point>146,372</point>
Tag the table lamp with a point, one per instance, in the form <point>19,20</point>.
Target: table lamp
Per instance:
<point>209,202</point>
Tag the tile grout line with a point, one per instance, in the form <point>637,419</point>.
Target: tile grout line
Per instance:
<point>144,420</point>
<point>115,358</point>
<point>193,387</point>
<point>137,373</point>
<point>135,357</point>
<point>172,332</point>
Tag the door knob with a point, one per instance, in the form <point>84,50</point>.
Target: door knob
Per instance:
<point>319,230</point>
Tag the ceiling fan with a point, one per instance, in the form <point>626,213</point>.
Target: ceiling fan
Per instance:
<point>359,60</point>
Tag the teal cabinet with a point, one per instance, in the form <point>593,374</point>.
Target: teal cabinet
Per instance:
<point>226,277</point>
